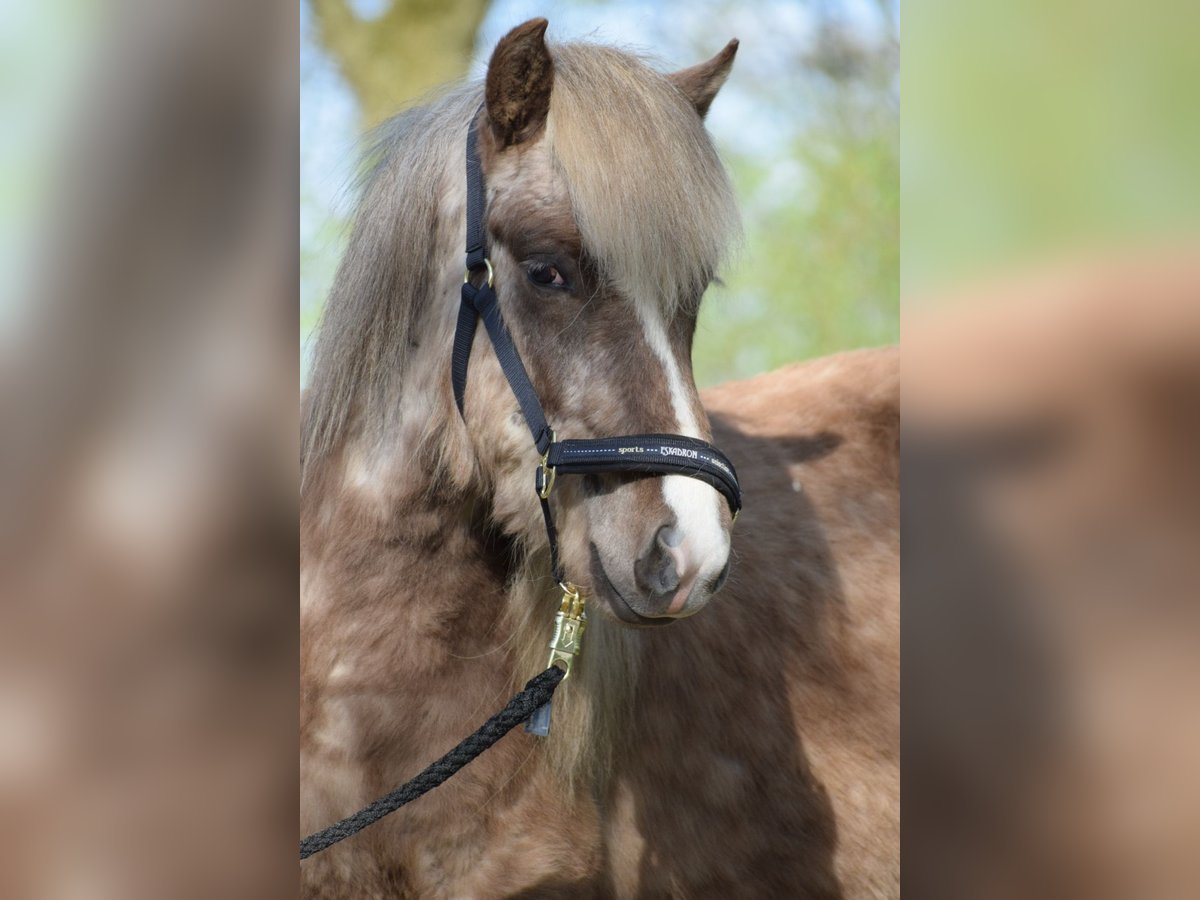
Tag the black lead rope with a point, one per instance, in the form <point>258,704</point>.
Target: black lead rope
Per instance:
<point>536,694</point>
<point>655,454</point>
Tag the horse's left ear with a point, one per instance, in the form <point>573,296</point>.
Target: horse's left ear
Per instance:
<point>520,77</point>
<point>701,83</point>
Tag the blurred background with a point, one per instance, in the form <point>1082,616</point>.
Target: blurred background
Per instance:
<point>1051,419</point>
<point>148,458</point>
<point>1033,132</point>
<point>808,125</point>
<point>149,363</point>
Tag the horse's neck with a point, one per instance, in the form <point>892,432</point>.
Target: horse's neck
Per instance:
<point>405,576</point>
<point>385,518</point>
<point>392,543</point>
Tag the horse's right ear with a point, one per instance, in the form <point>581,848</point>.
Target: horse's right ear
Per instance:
<point>700,83</point>
<point>519,79</point>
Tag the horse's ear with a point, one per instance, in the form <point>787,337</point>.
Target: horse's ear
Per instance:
<point>701,83</point>
<point>519,79</point>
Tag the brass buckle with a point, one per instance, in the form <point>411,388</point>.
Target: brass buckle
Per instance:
<point>491,274</point>
<point>549,472</point>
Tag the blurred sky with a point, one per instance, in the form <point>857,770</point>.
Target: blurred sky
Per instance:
<point>43,51</point>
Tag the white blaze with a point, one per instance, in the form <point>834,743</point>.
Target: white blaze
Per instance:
<point>695,504</point>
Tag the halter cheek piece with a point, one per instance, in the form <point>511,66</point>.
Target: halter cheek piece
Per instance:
<point>662,454</point>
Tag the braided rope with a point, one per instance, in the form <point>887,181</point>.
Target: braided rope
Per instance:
<point>535,694</point>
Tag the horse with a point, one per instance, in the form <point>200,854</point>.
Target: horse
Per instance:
<point>750,748</point>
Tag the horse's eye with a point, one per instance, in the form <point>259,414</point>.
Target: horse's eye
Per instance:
<point>546,275</point>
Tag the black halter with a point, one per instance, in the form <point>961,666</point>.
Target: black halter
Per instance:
<point>663,454</point>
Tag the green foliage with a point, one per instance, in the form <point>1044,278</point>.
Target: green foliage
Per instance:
<point>820,268</point>
<point>1064,126</point>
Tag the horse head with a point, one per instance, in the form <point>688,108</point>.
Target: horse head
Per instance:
<point>608,212</point>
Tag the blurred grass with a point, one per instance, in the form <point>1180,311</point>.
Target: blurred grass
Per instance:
<point>1034,129</point>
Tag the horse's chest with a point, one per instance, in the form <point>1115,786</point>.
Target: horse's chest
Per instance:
<point>523,837</point>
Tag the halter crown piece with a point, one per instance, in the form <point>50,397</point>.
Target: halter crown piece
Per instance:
<point>664,454</point>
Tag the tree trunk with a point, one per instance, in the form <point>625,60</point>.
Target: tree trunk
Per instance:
<point>392,60</point>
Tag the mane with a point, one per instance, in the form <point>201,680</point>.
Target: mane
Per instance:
<point>391,260</point>
<point>651,200</point>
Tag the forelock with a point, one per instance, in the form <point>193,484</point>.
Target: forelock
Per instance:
<point>651,199</point>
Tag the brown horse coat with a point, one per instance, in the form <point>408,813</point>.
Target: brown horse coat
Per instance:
<point>760,753</point>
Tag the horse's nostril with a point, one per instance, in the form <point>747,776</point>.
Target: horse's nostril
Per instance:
<point>668,579</point>
<point>669,536</point>
<point>656,571</point>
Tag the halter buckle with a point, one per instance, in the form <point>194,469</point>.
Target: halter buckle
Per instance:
<point>491,274</point>
<point>547,473</point>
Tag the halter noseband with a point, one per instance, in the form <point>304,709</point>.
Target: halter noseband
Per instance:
<point>663,454</point>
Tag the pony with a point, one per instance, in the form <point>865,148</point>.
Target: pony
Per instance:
<point>732,725</point>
